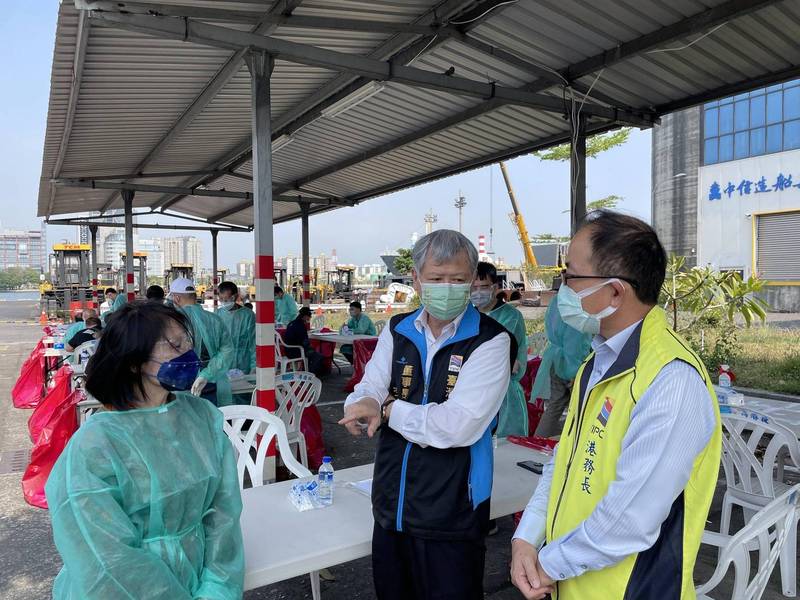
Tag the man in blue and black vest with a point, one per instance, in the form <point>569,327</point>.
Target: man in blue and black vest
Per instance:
<point>433,388</point>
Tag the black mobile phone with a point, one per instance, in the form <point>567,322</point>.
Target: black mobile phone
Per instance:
<point>531,465</point>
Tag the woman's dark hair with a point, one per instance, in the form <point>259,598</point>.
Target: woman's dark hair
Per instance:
<point>229,286</point>
<point>304,312</point>
<point>624,246</point>
<point>114,372</point>
<point>110,290</point>
<point>278,289</point>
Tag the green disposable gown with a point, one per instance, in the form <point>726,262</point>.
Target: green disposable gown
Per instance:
<point>212,342</point>
<point>120,301</point>
<point>566,350</point>
<point>130,523</point>
<point>241,325</point>
<point>285,309</point>
<point>513,412</point>
<point>361,326</point>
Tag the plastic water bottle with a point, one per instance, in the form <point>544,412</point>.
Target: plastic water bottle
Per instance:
<point>325,490</point>
<point>725,376</point>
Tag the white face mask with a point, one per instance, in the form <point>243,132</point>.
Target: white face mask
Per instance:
<point>571,309</point>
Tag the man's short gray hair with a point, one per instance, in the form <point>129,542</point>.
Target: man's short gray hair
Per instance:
<point>443,245</point>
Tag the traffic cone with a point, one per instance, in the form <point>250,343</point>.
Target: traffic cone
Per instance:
<point>319,311</point>
<point>388,309</point>
<point>43,319</point>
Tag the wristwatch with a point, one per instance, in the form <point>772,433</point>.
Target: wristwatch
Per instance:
<point>384,406</point>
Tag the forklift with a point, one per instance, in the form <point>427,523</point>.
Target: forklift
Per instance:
<point>69,286</point>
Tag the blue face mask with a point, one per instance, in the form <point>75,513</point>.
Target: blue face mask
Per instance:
<point>178,374</point>
<point>570,307</point>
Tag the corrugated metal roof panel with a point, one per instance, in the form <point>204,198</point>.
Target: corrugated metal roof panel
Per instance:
<point>135,87</point>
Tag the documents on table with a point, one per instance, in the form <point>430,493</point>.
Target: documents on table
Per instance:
<point>363,487</point>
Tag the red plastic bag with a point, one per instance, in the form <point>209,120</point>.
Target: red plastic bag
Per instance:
<point>27,392</point>
<point>534,442</point>
<point>362,353</point>
<point>53,400</point>
<point>52,440</point>
<point>311,428</point>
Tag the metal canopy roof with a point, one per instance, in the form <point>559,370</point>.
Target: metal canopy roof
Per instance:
<point>155,96</point>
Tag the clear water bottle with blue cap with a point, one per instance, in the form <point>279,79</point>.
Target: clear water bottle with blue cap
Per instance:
<point>325,489</point>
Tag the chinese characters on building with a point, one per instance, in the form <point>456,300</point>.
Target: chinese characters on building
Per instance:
<point>746,187</point>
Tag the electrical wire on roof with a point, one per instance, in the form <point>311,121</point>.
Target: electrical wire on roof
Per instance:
<point>690,44</point>
<point>421,52</point>
<point>483,14</point>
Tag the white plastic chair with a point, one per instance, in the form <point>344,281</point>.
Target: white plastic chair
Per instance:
<point>318,322</point>
<point>768,532</point>
<point>379,325</point>
<point>750,475</point>
<point>283,362</point>
<point>294,393</point>
<point>261,422</point>
<point>82,353</point>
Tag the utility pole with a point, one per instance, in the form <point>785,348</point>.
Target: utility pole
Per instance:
<point>460,203</point>
<point>430,219</point>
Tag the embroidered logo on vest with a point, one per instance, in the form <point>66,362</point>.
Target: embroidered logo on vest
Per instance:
<point>455,363</point>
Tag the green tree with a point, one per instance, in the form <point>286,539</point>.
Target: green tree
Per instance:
<point>595,145</point>
<point>609,202</point>
<point>700,293</point>
<point>403,263</point>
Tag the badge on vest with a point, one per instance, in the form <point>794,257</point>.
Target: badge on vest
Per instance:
<point>605,412</point>
<point>455,363</point>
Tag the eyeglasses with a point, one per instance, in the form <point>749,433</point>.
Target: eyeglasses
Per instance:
<point>565,277</point>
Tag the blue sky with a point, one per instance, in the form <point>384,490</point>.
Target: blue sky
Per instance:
<point>359,234</point>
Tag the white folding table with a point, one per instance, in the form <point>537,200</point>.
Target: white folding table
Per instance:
<point>281,543</point>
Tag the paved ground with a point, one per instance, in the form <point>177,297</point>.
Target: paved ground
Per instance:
<point>28,560</point>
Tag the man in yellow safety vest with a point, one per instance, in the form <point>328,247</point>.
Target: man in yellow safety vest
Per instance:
<point>622,506</point>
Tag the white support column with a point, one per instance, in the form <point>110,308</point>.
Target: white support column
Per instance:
<point>261,65</point>
<point>127,198</point>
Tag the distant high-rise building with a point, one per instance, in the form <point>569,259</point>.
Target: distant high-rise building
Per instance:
<point>83,234</point>
<point>155,256</point>
<point>23,249</point>
<point>183,250</point>
<point>113,248</point>
<point>245,270</point>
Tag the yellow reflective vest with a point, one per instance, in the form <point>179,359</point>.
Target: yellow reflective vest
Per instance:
<point>586,465</point>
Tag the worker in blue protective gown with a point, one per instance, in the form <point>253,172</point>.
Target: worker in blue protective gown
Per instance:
<point>485,296</point>
<point>145,499</point>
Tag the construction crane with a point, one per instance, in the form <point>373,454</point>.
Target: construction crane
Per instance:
<point>519,223</point>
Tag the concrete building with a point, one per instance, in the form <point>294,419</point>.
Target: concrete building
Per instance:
<point>23,249</point>
<point>185,249</point>
<point>726,187</point>
<point>245,270</point>
<point>155,255</point>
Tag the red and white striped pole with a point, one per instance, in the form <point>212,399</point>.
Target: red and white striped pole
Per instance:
<point>95,299</point>
<point>127,197</point>
<point>214,269</point>
<point>306,256</point>
<point>261,65</point>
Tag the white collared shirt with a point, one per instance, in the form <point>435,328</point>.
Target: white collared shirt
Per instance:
<point>473,403</point>
<point>670,425</point>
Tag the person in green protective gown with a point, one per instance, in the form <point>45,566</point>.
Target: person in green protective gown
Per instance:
<point>566,350</point>
<point>115,302</point>
<point>285,307</point>
<point>144,500</point>
<point>211,343</point>
<point>513,418</point>
<point>357,324</point>
<point>241,325</point>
